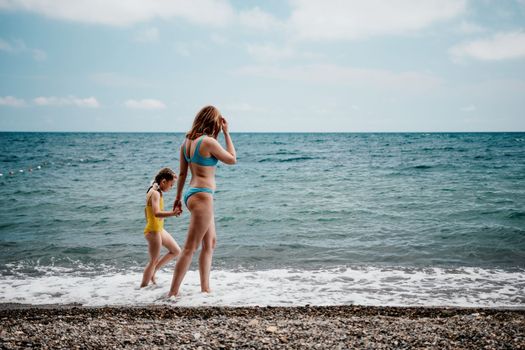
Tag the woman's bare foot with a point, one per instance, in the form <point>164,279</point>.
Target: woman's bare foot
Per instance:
<point>206,290</point>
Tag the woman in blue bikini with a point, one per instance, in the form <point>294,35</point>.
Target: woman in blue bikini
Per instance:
<point>200,153</point>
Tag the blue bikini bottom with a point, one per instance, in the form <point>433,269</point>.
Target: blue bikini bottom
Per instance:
<point>192,190</point>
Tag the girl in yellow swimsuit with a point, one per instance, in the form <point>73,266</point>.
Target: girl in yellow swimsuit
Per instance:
<point>154,231</point>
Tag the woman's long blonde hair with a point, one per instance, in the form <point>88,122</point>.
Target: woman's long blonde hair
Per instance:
<point>206,122</point>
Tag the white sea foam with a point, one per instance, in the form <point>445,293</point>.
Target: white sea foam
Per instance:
<point>469,287</point>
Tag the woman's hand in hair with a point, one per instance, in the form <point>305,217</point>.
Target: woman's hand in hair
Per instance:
<point>224,125</point>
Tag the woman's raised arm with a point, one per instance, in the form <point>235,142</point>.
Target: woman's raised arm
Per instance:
<point>228,155</point>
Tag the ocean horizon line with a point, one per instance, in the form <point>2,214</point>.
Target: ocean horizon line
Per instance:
<point>266,132</point>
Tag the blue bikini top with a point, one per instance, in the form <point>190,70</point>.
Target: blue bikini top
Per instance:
<point>197,158</point>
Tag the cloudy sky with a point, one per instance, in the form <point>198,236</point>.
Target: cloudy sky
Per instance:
<point>297,65</point>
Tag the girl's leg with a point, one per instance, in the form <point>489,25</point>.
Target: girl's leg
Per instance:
<point>173,251</point>
<point>205,258</point>
<point>200,206</point>
<point>154,243</point>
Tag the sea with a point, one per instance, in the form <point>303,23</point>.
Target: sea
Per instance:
<point>389,219</point>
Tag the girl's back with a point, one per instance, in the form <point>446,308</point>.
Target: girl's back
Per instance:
<point>153,223</point>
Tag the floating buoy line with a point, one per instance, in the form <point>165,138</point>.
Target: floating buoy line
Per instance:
<point>38,167</point>
<point>21,171</point>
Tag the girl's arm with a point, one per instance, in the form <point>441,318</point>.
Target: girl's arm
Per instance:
<point>155,205</point>
<point>183,173</point>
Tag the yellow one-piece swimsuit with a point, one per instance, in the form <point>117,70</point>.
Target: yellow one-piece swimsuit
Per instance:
<point>153,223</point>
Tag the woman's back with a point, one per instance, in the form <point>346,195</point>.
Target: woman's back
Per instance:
<point>201,162</point>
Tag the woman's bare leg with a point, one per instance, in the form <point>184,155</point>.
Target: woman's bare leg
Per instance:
<point>173,251</point>
<point>206,255</point>
<point>201,209</point>
<point>154,244</point>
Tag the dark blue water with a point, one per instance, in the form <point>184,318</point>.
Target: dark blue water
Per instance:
<point>297,200</point>
<point>293,201</point>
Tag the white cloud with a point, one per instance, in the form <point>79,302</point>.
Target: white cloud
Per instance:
<point>469,108</point>
<point>127,12</point>
<point>189,48</point>
<point>219,39</point>
<point>90,102</point>
<point>334,74</point>
<point>5,46</point>
<point>500,46</point>
<point>12,101</point>
<point>39,55</point>
<point>470,28</point>
<point>259,20</point>
<point>183,49</point>
<point>270,52</point>
<point>147,103</point>
<point>149,35</point>
<point>18,46</point>
<point>356,19</point>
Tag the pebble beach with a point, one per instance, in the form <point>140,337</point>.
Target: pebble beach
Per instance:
<point>329,327</point>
